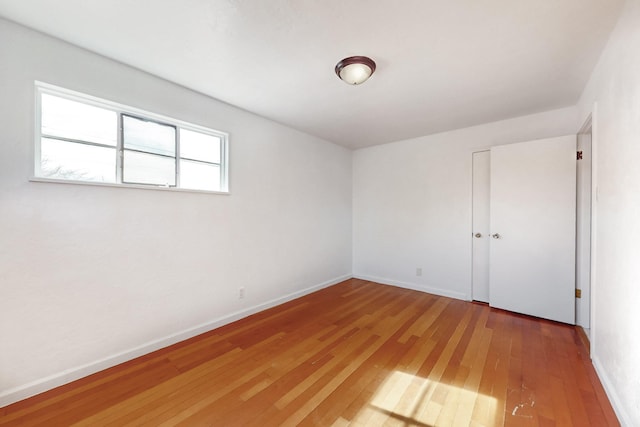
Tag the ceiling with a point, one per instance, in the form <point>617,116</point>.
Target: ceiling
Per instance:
<point>442,64</point>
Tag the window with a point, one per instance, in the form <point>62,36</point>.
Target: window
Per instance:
<point>85,139</point>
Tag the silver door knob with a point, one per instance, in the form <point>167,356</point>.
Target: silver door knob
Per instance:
<point>478,235</point>
<point>495,236</point>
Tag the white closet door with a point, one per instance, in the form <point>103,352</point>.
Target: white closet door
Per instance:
<point>480,238</point>
<point>533,214</point>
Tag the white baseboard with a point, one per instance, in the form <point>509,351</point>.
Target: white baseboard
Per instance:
<point>415,287</point>
<point>622,414</point>
<point>16,394</point>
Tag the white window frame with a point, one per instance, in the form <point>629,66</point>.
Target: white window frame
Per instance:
<point>120,109</point>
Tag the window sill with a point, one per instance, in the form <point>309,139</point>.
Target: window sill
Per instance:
<point>134,186</point>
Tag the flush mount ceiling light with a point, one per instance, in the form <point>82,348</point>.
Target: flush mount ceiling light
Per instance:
<point>355,70</point>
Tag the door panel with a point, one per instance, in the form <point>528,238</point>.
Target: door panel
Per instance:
<point>533,205</point>
<point>480,238</point>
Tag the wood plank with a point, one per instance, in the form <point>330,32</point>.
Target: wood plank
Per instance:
<point>354,354</point>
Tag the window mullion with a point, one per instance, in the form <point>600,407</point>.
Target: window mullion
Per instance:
<point>120,151</point>
<point>75,141</point>
<point>204,162</point>
<point>37,154</point>
<point>178,157</point>
<point>151,153</point>
<point>224,164</point>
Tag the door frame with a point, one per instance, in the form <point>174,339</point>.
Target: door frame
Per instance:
<point>583,231</point>
<point>591,122</point>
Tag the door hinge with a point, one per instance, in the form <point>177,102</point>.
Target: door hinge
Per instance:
<point>579,156</point>
<point>578,293</point>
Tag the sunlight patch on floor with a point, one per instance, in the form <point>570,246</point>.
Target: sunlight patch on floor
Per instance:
<point>410,400</point>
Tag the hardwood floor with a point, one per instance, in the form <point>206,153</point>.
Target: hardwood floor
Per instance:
<point>358,354</point>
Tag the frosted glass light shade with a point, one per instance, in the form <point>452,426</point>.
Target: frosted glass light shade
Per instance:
<point>355,69</point>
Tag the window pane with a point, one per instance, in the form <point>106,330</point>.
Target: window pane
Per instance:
<point>148,136</point>
<point>199,176</point>
<point>142,168</point>
<point>199,146</point>
<point>80,162</point>
<point>74,120</point>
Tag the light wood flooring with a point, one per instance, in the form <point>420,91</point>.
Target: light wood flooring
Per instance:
<point>355,354</point>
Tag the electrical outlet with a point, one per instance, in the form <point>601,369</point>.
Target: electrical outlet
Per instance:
<point>241,293</point>
<point>418,271</point>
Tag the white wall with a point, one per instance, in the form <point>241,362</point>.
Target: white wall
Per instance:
<point>412,202</point>
<point>91,276</point>
<point>615,87</point>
